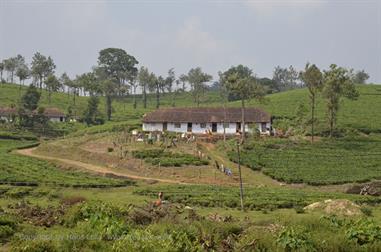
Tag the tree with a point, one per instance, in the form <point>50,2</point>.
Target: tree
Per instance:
<point>183,79</point>
<point>170,80</point>
<point>88,82</point>
<point>360,77</point>
<point>109,88</point>
<point>156,84</point>
<point>285,78</point>
<point>22,72</point>
<point>239,81</point>
<point>313,79</point>
<point>1,70</point>
<point>10,66</point>
<point>117,65</point>
<point>337,85</point>
<point>144,79</point>
<point>223,92</point>
<point>30,99</point>
<point>42,66</point>
<point>197,79</point>
<point>52,84</point>
<point>91,114</point>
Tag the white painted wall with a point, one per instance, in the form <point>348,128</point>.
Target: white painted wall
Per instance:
<point>196,127</point>
<point>56,119</point>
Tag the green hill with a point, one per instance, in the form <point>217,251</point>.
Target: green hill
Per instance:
<point>361,114</point>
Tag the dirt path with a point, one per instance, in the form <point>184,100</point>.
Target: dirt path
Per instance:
<point>94,168</point>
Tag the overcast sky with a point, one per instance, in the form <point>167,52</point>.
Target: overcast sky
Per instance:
<point>184,34</point>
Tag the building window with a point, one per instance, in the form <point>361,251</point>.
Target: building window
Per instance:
<point>226,125</point>
<point>202,125</point>
<point>178,125</point>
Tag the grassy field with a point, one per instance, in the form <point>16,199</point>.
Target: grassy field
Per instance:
<point>344,160</point>
<point>20,170</point>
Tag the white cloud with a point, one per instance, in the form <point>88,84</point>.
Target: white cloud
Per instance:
<point>192,37</point>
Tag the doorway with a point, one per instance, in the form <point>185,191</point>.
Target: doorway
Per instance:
<point>214,127</point>
<point>165,126</point>
<point>238,127</point>
<point>189,128</point>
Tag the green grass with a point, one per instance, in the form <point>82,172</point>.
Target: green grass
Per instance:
<point>343,160</point>
<point>254,198</point>
<point>20,170</point>
<point>361,114</point>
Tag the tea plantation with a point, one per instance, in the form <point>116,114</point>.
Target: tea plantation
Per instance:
<point>343,160</point>
<point>20,170</point>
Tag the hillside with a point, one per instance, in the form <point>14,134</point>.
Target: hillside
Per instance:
<point>360,114</point>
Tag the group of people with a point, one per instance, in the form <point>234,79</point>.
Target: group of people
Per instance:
<point>224,169</point>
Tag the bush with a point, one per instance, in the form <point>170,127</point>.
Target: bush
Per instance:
<point>364,231</point>
<point>163,158</point>
<point>292,239</point>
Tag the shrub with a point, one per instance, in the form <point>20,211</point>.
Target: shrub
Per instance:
<point>110,149</point>
<point>366,210</point>
<point>364,231</point>
<point>292,239</point>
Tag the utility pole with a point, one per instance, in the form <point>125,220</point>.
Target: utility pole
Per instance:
<point>240,175</point>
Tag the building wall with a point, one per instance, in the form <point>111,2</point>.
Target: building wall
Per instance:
<point>56,119</point>
<point>196,127</point>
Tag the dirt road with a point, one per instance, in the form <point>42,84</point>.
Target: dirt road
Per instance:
<point>94,168</point>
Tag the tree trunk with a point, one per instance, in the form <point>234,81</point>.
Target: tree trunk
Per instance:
<point>243,120</point>
<point>312,116</point>
<point>144,97</point>
<point>108,107</point>
<point>157,96</point>
<point>134,97</point>
<point>49,95</point>
<point>331,124</point>
<point>240,176</point>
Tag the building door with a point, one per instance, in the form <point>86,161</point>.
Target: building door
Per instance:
<point>214,127</point>
<point>189,128</point>
<point>263,127</point>
<point>165,126</point>
<point>238,127</point>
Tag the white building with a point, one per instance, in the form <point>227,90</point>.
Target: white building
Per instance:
<point>201,120</point>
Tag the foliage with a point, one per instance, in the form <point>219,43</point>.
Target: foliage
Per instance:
<point>20,170</point>
<point>319,164</point>
<point>91,114</point>
<point>292,239</point>
<point>197,80</point>
<point>166,158</point>
<point>255,198</point>
<point>364,231</point>
<point>337,84</point>
<point>31,98</point>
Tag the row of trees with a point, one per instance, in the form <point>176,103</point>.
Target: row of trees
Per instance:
<point>116,75</point>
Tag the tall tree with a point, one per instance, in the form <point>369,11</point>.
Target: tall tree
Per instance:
<point>22,72</point>
<point>313,79</point>
<point>169,81</point>
<point>117,65</point>
<point>10,65</point>
<point>144,78</point>
<point>198,80</point>
<point>360,77</point>
<point>285,78</point>
<point>1,70</point>
<point>42,66</point>
<point>337,85</point>
<point>239,81</point>
<point>52,84</point>
<point>91,114</point>
<point>183,79</point>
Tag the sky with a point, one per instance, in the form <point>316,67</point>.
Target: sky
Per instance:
<point>213,35</point>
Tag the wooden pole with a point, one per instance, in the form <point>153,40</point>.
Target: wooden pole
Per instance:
<point>240,175</point>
